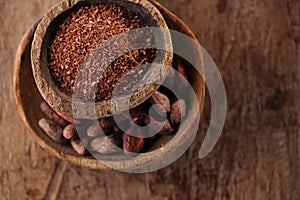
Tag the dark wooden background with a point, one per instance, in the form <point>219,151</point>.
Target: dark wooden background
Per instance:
<point>256,45</point>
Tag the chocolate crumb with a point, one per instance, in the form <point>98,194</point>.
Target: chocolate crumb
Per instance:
<point>79,34</point>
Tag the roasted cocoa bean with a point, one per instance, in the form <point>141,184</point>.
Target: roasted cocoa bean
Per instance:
<point>52,115</point>
<point>154,124</point>
<point>54,131</point>
<point>106,145</point>
<point>70,132</point>
<point>167,128</point>
<point>161,99</point>
<point>181,69</point>
<point>95,130</point>
<point>78,146</point>
<point>178,110</point>
<point>132,144</point>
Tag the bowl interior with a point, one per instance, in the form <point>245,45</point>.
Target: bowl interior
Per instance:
<point>61,101</point>
<point>28,107</point>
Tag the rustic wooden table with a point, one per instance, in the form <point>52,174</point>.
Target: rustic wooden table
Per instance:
<point>256,45</point>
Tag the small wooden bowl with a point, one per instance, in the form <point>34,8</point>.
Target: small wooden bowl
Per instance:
<point>61,101</point>
<point>28,98</point>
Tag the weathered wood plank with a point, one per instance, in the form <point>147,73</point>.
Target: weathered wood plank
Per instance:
<point>256,46</point>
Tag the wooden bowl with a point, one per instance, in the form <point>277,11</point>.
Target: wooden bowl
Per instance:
<point>28,98</point>
<point>61,101</point>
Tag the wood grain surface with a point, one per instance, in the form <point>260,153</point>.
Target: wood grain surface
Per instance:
<point>256,45</point>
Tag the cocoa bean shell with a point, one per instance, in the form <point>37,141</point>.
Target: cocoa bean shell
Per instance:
<point>178,110</point>
<point>54,131</point>
<point>105,145</point>
<point>78,146</point>
<point>70,131</point>
<point>132,144</point>
<point>161,99</point>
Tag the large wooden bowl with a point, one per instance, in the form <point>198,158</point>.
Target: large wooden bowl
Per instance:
<point>28,99</point>
<point>61,101</point>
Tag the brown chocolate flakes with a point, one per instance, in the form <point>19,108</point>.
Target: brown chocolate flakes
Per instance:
<point>82,32</point>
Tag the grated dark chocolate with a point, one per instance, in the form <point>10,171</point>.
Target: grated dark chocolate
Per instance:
<point>79,34</point>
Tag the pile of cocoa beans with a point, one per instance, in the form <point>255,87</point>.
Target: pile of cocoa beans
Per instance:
<point>104,136</point>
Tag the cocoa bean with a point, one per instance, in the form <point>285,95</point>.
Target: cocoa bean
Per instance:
<point>70,132</point>
<point>167,128</point>
<point>52,115</point>
<point>106,145</point>
<point>132,144</point>
<point>86,140</point>
<point>78,146</point>
<point>54,131</point>
<point>153,124</point>
<point>178,110</point>
<point>95,130</point>
<point>181,69</point>
<point>161,99</point>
